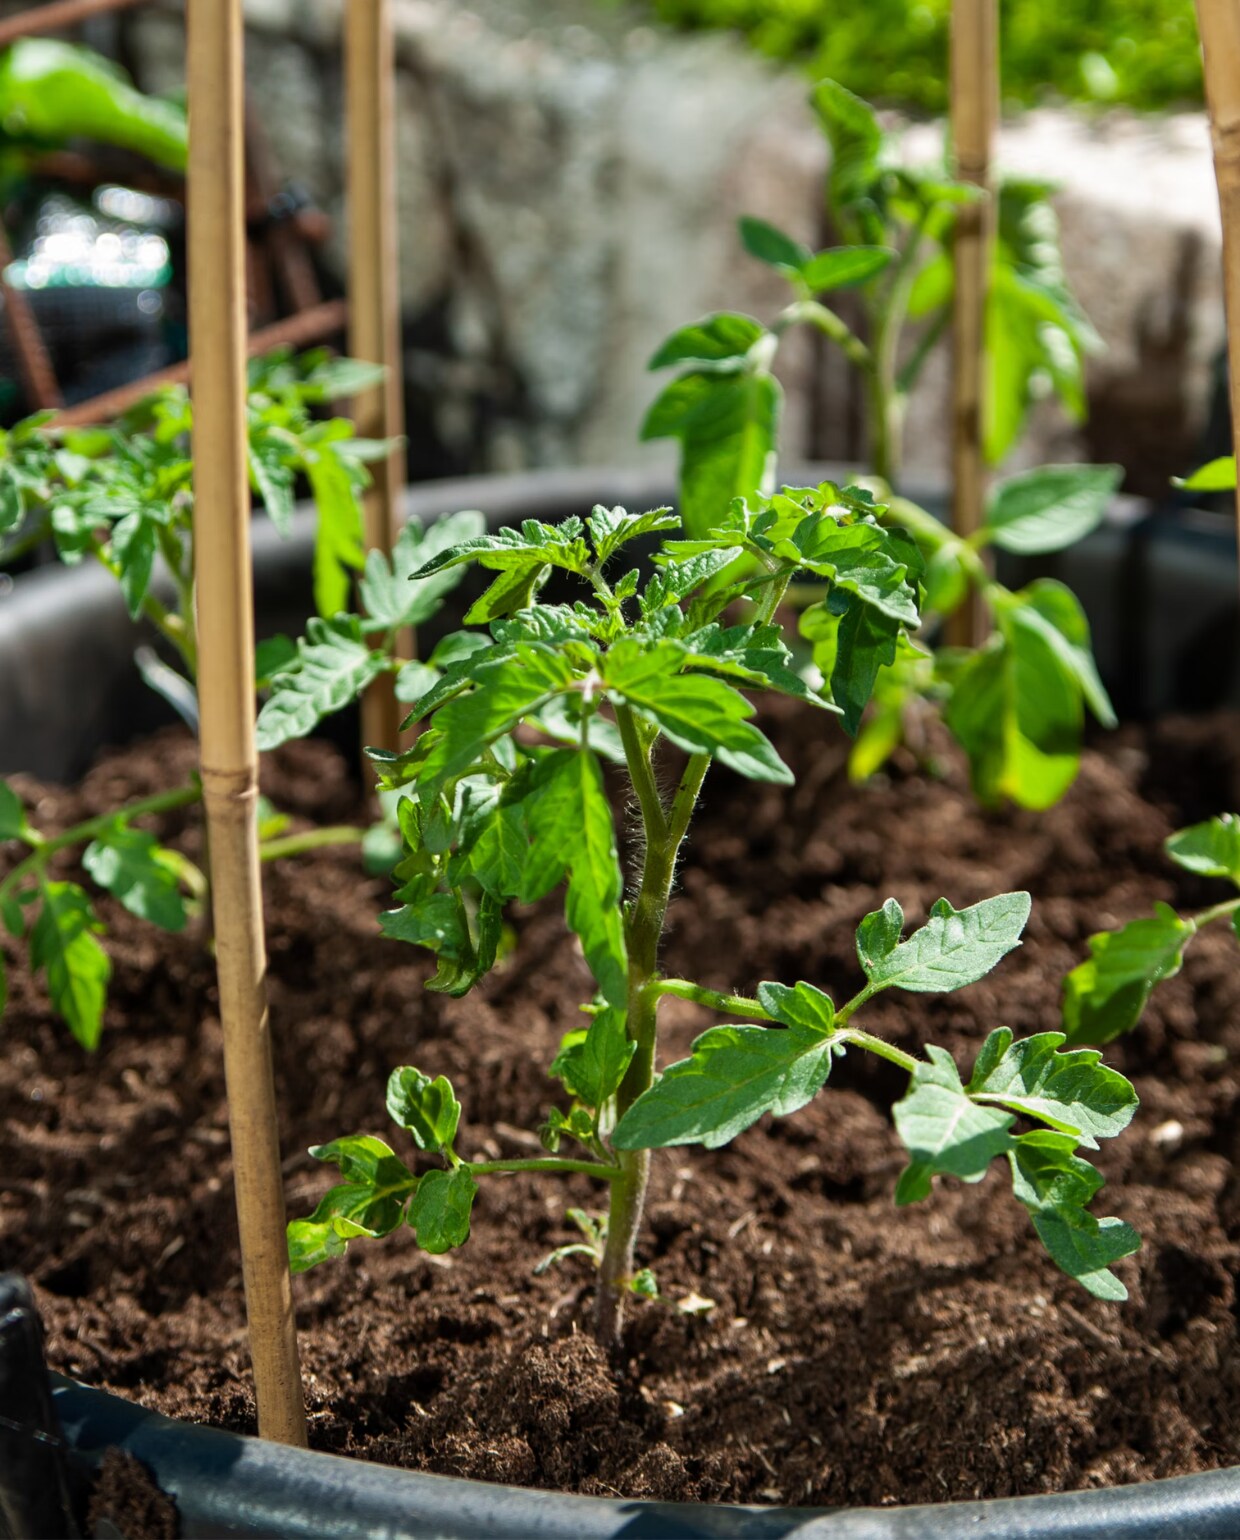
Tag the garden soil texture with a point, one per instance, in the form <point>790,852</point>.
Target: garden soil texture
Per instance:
<point>854,1353</point>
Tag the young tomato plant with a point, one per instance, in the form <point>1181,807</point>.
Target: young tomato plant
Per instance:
<point>1017,704</point>
<point>503,798</point>
<point>122,496</point>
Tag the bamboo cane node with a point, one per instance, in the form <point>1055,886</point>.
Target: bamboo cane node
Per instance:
<point>1226,140</point>
<point>228,788</point>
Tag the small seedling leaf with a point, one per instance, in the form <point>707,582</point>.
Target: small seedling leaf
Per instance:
<point>1211,849</point>
<point>12,813</point>
<point>425,1108</point>
<point>134,868</point>
<point>1055,1185</point>
<point>1105,995</point>
<point>1049,508</point>
<point>732,1077</point>
<point>724,338</point>
<point>700,715</point>
<point>772,246</point>
<point>944,1131</point>
<point>954,947</point>
<point>334,665</point>
<point>843,266</point>
<point>62,942</point>
<point>1072,1092</point>
<point>441,1208</point>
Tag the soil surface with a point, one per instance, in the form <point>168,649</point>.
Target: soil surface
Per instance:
<point>854,1353</point>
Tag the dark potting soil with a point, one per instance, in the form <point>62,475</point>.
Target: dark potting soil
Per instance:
<point>854,1353</point>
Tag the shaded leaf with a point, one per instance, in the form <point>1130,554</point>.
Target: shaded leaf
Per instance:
<point>134,868</point>
<point>425,1108</point>
<point>1212,848</point>
<point>62,942</point>
<point>334,665</point>
<point>1049,508</point>
<point>1105,995</point>
<point>441,1208</point>
<point>1055,1184</point>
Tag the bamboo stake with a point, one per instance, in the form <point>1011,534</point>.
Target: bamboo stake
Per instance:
<point>1219,24</point>
<point>374,295</point>
<point>226,694</point>
<point>974,113</point>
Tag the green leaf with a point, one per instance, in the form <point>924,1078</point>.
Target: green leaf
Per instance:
<point>700,715</point>
<point>504,691</point>
<point>593,1067</point>
<point>611,528</point>
<point>725,337</point>
<point>1054,1184</point>
<point>1016,709</point>
<point>514,547</point>
<point>945,1132</point>
<point>1049,508</point>
<point>865,641</point>
<point>876,565</point>
<point>1215,476</point>
<point>1073,1092</point>
<point>856,141</point>
<point>1105,995</point>
<point>437,921</point>
<point>754,654</point>
<point>728,428</point>
<point>134,868</point>
<point>426,1108</point>
<point>571,826</point>
<point>274,477</point>
<point>802,1006</point>
<point>63,943</point>
<point>10,500</point>
<point>1054,614</point>
<point>843,266</point>
<point>772,246</point>
<point>1211,849</point>
<point>368,1204</point>
<point>879,934</point>
<point>12,814</point>
<point>334,665</point>
<point>339,550</point>
<point>133,547</point>
<point>953,948</point>
<point>272,656</point>
<point>390,598</point>
<point>733,1076</point>
<point>441,1208</point>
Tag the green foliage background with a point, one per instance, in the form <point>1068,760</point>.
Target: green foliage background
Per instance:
<point>1139,52</point>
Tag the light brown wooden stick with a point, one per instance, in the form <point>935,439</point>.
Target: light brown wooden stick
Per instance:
<point>1219,22</point>
<point>229,757</point>
<point>374,295</point>
<point>974,113</point>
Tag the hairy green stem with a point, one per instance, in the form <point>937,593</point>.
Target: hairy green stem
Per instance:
<point>664,832</point>
<point>42,849</point>
<point>594,1168</point>
<point>637,757</point>
<point>731,1005</point>
<point>1216,912</point>
<point>310,839</point>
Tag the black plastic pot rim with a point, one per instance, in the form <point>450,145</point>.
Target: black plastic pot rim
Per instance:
<point>228,1485</point>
